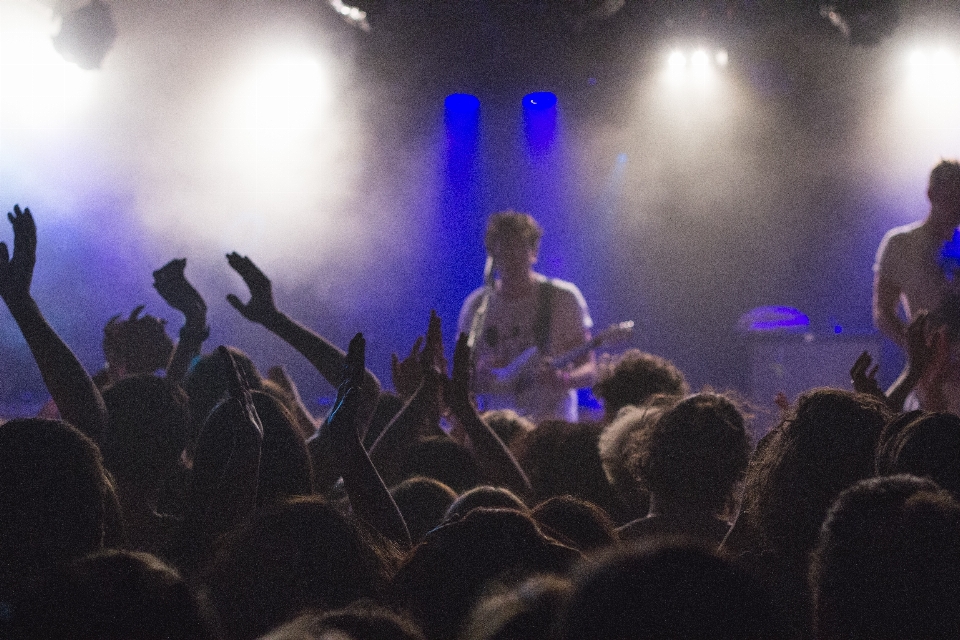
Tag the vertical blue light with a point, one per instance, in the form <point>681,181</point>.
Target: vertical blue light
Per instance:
<point>540,121</point>
<point>462,119</point>
<point>460,254</point>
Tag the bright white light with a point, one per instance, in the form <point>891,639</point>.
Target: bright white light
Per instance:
<point>282,93</point>
<point>699,60</point>
<point>38,89</point>
<point>677,61</point>
<point>722,58</point>
<point>934,75</point>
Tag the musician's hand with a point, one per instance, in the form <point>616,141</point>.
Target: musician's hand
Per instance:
<point>551,378</point>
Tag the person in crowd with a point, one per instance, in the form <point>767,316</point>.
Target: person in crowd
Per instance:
<point>691,461</point>
<point>666,589</point>
<point>824,444</point>
<point>633,378</point>
<point>887,564</point>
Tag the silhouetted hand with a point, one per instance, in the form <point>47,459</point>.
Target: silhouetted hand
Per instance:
<point>407,374</point>
<point>339,432</point>
<point>433,349</point>
<point>16,272</point>
<point>457,391</point>
<point>261,308</point>
<point>864,377</point>
<point>173,286</point>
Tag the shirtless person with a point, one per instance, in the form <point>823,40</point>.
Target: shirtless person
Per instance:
<point>523,309</point>
<point>910,268</point>
<point>914,268</point>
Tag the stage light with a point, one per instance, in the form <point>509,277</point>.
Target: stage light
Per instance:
<point>699,60</point>
<point>282,93</point>
<point>39,90</point>
<point>540,100</point>
<point>677,61</point>
<point>461,103</point>
<point>86,35</point>
<point>722,58</point>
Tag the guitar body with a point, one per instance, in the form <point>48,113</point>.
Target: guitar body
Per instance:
<point>515,385</point>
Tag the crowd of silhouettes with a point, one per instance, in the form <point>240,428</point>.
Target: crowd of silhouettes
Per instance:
<point>179,493</point>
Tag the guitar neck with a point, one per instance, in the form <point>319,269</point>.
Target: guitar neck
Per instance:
<point>571,356</point>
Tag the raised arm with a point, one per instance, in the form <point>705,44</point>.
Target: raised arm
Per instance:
<point>173,286</point>
<point>68,382</point>
<point>226,468</point>
<point>493,457</point>
<point>322,354</point>
<point>339,437</point>
<point>420,416</point>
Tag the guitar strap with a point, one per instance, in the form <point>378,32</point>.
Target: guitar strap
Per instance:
<point>544,317</point>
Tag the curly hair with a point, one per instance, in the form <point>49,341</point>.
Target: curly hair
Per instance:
<point>696,453</point>
<point>512,224</point>
<point>137,344</point>
<point>825,444</point>
<point>634,377</point>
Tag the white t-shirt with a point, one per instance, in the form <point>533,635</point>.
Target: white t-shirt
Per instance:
<point>909,257</point>
<point>510,328</point>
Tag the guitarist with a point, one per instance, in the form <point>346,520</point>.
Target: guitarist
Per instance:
<point>519,309</point>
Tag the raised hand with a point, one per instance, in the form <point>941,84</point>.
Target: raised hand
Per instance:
<point>16,272</point>
<point>173,286</point>
<point>261,308</point>
<point>457,391</point>
<point>407,374</point>
<point>433,349</point>
<point>340,430</point>
<point>864,377</point>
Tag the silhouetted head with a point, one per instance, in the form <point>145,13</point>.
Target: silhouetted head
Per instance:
<point>423,502</point>
<point>618,450</point>
<point>528,611</point>
<point>887,566</point>
<point>446,573</point>
<point>927,446</point>
<point>117,595</point>
<point>304,553</point>
<point>575,522</point>
<point>443,459</point>
<point>509,425</point>
<point>138,344</point>
<point>484,497</point>
<point>56,498</point>
<point>824,445</point>
<point>148,427</point>
<point>665,590</point>
<point>562,458</point>
<point>360,621</point>
<point>694,455</point>
<point>634,377</point>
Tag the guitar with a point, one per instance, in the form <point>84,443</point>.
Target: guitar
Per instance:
<point>517,378</point>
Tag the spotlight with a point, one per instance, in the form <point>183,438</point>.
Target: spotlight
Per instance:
<point>461,103</point>
<point>699,60</point>
<point>354,16</point>
<point>722,58</point>
<point>677,61</point>
<point>540,100</point>
<point>86,35</point>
